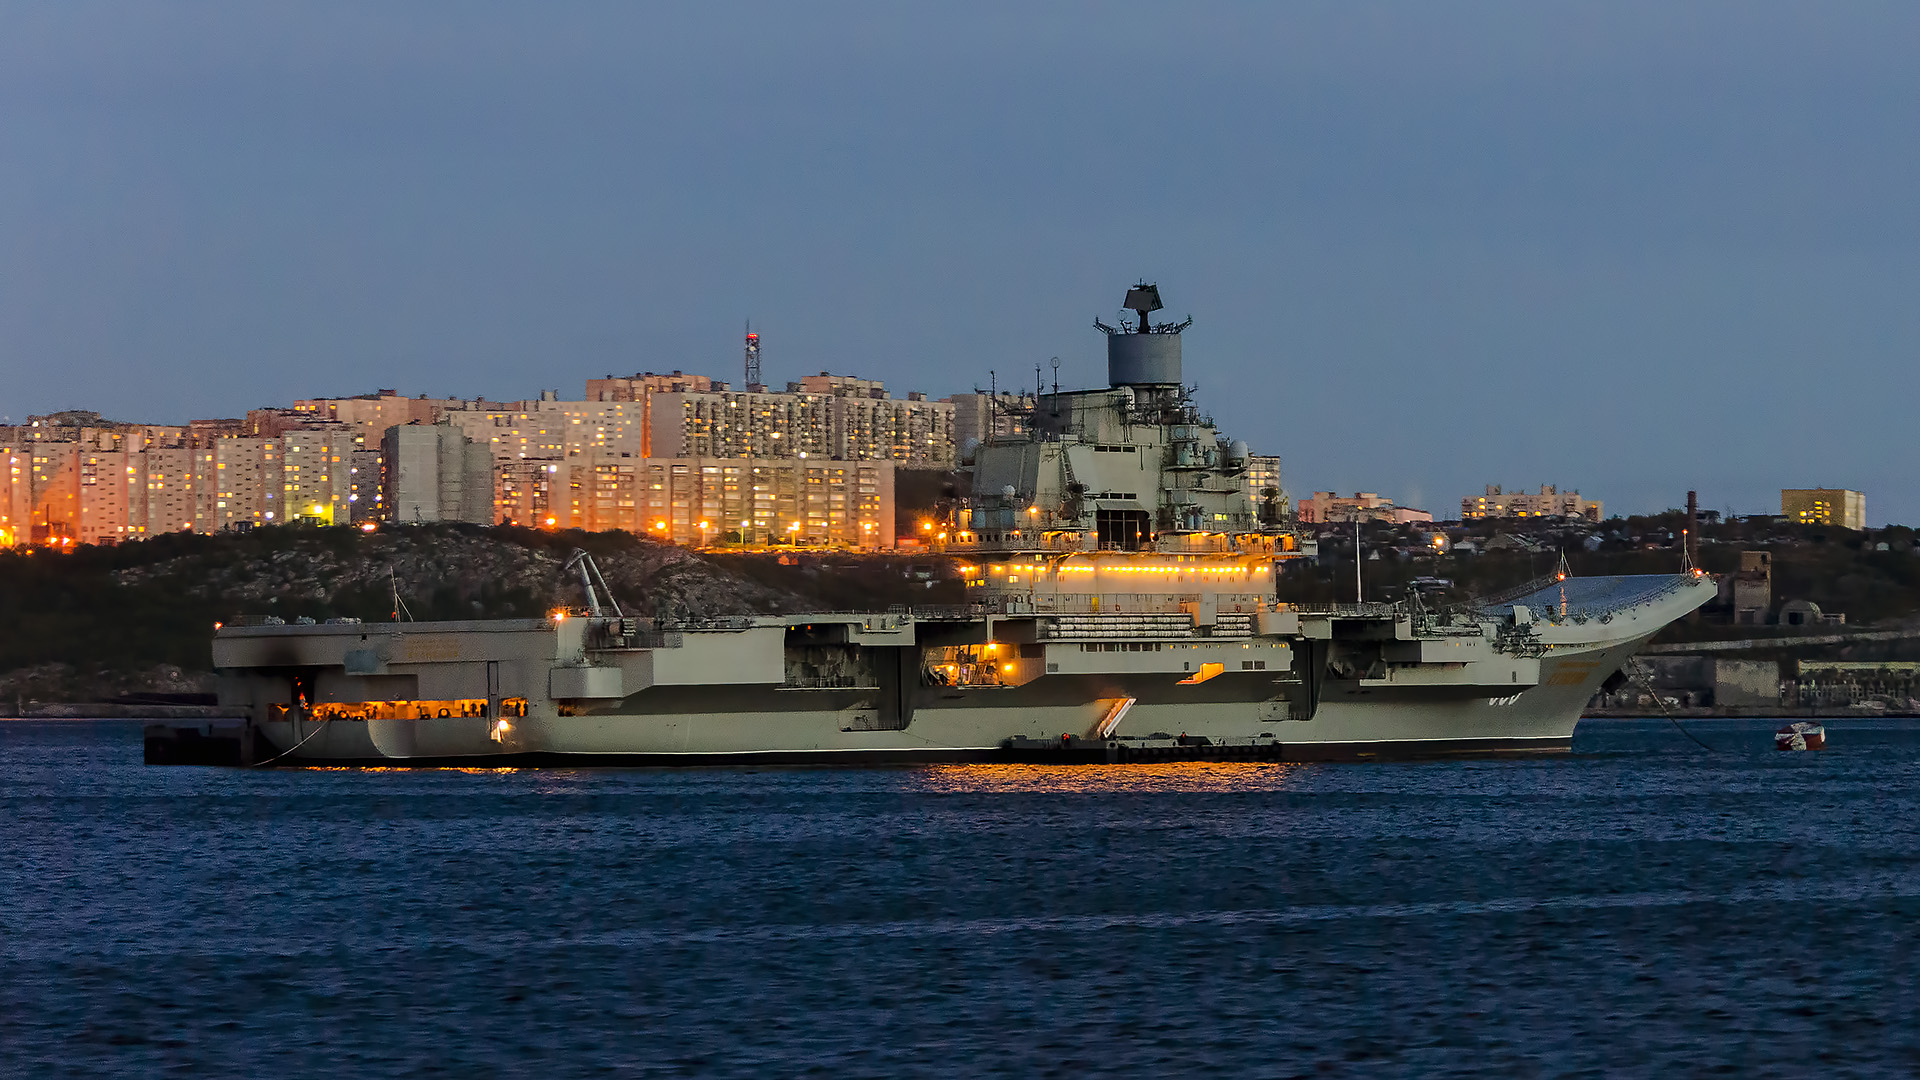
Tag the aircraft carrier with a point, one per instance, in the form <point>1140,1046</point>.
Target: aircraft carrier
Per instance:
<point>1122,607</point>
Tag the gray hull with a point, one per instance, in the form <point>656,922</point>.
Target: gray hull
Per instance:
<point>1238,715</point>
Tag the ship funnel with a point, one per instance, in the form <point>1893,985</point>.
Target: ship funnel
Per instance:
<point>1140,353</point>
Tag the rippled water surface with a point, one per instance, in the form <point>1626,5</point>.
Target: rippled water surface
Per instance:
<point>1641,907</point>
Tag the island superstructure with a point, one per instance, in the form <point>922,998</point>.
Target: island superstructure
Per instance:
<point>1122,606</point>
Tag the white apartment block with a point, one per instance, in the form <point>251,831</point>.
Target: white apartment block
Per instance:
<point>435,473</point>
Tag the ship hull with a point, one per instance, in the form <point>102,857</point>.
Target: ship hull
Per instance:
<point>1244,715</point>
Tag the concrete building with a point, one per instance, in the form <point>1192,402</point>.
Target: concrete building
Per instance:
<point>370,414</point>
<point>317,474</point>
<point>842,417</point>
<point>531,492</point>
<point>169,489</point>
<point>549,429</point>
<point>1701,681</point>
<point>433,472</point>
<point>839,419</point>
<point>1808,613</point>
<point>1549,502</point>
<point>81,479</point>
<point>1326,507</point>
<point>756,501</point>
<point>979,418</point>
<point>54,491</point>
<point>247,485</point>
<point>1749,590</point>
<point>793,500</point>
<point>637,387</point>
<point>16,491</point>
<point>1824,506</point>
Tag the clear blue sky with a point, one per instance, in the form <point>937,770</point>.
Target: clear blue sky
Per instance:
<point>1627,247</point>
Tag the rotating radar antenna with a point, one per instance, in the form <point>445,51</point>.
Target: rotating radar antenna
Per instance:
<point>1138,352</point>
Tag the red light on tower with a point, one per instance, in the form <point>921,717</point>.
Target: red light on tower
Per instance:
<point>753,359</point>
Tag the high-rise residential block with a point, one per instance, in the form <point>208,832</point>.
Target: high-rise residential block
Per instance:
<point>317,474</point>
<point>980,418</point>
<point>833,416</point>
<point>435,473</point>
<point>754,501</point>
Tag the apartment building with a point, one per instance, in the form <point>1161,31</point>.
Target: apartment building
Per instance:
<point>370,414</point>
<point>1262,477</point>
<point>1325,506</point>
<point>433,472</point>
<point>1549,502</point>
<point>802,501</point>
<point>16,491</point>
<point>319,467</point>
<point>833,416</point>
<point>549,429</point>
<point>980,417</point>
<point>1824,506</point>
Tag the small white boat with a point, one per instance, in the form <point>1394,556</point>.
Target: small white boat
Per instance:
<point>1801,735</point>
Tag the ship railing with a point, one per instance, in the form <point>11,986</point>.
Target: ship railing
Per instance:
<point>609,638</point>
<point>1480,604</point>
<point>826,682</point>
<point>711,622</point>
<point>1368,610</point>
<point>952,612</point>
<point>1551,612</point>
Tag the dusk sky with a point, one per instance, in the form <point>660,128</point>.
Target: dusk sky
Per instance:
<point>1629,248</point>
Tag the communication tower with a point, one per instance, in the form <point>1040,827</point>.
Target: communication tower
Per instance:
<point>754,382</point>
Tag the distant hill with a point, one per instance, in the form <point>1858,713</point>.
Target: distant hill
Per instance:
<point>97,623</point>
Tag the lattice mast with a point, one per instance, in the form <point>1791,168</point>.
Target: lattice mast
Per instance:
<point>754,381</point>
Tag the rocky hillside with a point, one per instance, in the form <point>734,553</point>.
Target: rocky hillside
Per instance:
<point>99,623</point>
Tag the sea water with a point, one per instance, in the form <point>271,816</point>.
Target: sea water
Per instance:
<point>1639,907</point>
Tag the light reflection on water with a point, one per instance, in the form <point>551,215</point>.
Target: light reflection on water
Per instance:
<point>1164,777</point>
<point>1641,907</point>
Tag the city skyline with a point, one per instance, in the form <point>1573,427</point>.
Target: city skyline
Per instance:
<point>1422,247</point>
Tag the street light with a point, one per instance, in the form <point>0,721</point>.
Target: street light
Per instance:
<point>703,533</point>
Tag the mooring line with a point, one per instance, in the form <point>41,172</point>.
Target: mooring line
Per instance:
<point>1634,662</point>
